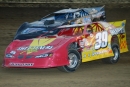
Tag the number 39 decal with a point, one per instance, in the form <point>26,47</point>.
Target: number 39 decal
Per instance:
<point>101,40</point>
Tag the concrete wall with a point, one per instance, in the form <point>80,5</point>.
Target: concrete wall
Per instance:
<point>65,3</point>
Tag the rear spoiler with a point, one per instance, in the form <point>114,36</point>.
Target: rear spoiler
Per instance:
<point>95,9</point>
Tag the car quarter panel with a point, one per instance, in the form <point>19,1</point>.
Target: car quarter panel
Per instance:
<point>120,32</point>
<point>98,45</point>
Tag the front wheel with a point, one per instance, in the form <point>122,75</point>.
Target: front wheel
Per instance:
<point>115,58</point>
<point>74,59</point>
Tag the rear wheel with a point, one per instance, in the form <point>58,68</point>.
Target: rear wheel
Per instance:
<point>115,58</point>
<point>74,59</point>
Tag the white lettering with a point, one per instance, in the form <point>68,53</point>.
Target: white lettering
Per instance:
<point>35,48</point>
<point>117,31</point>
<point>49,47</point>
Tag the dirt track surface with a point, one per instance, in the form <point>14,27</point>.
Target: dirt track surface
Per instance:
<point>91,74</point>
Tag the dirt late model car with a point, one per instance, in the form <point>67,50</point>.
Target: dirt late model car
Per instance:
<point>58,18</point>
<point>69,47</point>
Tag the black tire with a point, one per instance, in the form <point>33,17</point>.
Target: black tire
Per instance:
<point>74,59</point>
<point>114,59</point>
<point>103,18</point>
<point>96,19</point>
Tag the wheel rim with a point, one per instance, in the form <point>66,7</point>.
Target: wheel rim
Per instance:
<point>116,54</point>
<point>73,60</point>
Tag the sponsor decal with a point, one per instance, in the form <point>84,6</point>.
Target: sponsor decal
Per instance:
<point>100,52</point>
<point>117,31</point>
<point>21,64</point>
<point>37,44</point>
<point>13,52</point>
<point>95,53</point>
<point>35,48</point>
<point>10,55</point>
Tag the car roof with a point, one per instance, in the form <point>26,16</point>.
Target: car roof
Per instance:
<point>70,10</point>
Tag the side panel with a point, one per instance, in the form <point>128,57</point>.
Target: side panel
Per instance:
<point>97,46</point>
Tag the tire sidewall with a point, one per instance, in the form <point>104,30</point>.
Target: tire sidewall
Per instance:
<point>115,46</point>
<point>68,69</point>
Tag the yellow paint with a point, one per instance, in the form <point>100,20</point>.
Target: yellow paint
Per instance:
<point>39,42</point>
<point>93,54</point>
<point>78,30</point>
<point>118,23</point>
<point>90,54</point>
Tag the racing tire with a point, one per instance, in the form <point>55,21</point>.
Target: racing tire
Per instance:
<point>74,59</point>
<point>114,59</point>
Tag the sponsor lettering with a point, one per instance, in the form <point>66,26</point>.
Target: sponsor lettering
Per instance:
<point>35,48</point>
<point>117,31</point>
<point>99,52</point>
<point>95,53</point>
<point>21,64</point>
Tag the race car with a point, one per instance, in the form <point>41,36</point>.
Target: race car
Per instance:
<point>69,47</point>
<point>58,18</point>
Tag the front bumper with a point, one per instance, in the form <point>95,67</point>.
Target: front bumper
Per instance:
<point>35,62</point>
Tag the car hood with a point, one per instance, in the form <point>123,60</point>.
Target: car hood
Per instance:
<point>35,46</point>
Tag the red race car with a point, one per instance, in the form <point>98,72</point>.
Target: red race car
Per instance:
<point>69,47</point>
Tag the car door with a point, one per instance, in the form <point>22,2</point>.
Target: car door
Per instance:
<point>96,42</point>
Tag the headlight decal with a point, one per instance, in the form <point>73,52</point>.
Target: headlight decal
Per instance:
<point>9,55</point>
